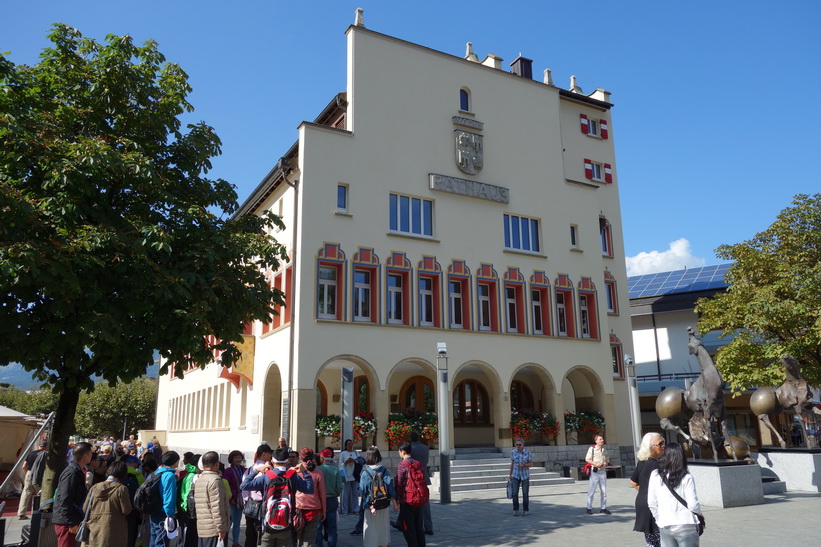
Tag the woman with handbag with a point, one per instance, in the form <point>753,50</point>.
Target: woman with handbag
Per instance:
<point>310,508</point>
<point>252,499</point>
<point>651,447</point>
<point>233,474</point>
<point>106,508</point>
<point>672,498</point>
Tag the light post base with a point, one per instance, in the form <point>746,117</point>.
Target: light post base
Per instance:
<point>444,478</point>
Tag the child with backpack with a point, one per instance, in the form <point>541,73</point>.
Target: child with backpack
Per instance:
<point>376,489</point>
<point>411,495</point>
<point>279,486</point>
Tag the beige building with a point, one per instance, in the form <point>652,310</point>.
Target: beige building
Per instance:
<point>438,199</point>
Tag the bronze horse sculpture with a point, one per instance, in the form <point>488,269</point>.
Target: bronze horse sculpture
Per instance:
<point>794,396</point>
<point>701,405</point>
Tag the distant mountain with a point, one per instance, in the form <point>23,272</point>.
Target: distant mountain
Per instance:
<point>14,374</point>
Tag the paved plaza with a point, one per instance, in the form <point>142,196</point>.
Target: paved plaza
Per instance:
<point>557,517</point>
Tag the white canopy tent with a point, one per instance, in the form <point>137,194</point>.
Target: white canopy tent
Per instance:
<point>17,430</point>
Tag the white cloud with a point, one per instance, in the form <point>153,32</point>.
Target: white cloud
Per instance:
<point>677,257</point>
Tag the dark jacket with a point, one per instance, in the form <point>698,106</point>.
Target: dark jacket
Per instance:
<point>71,493</point>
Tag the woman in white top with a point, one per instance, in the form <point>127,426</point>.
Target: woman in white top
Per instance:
<point>347,463</point>
<point>677,523</point>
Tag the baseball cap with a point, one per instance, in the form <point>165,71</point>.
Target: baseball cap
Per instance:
<point>327,453</point>
<point>170,527</point>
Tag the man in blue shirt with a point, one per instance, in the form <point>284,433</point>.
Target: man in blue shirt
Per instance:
<point>520,463</point>
<point>168,490</point>
<point>259,480</point>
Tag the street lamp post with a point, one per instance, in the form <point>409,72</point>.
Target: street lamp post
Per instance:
<point>444,422</point>
<point>633,397</point>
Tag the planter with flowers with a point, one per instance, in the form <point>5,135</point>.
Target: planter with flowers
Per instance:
<point>534,426</point>
<point>586,424</point>
<point>364,429</point>
<point>402,424</point>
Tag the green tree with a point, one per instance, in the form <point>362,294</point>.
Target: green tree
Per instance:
<point>113,241</point>
<point>773,303</point>
<point>107,408</point>
<point>33,403</point>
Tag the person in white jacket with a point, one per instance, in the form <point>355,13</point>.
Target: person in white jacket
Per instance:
<point>676,523</point>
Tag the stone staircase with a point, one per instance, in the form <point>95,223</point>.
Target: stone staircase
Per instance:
<point>488,468</point>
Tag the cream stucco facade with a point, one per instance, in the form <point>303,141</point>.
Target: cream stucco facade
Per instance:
<point>389,144</point>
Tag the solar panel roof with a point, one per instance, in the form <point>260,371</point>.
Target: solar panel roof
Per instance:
<point>678,281</point>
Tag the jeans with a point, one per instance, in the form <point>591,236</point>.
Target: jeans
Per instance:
<point>525,484</point>
<point>236,524</point>
<point>597,479</point>
<point>329,524</point>
<point>251,532</point>
<point>158,535</point>
<point>350,497</point>
<point>681,535</point>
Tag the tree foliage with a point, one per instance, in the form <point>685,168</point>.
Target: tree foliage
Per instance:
<point>33,403</point>
<point>113,240</point>
<point>773,304</point>
<point>106,409</point>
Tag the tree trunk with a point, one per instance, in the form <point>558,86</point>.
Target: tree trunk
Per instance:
<point>58,443</point>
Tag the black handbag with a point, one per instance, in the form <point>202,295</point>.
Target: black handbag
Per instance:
<point>253,509</point>
<point>701,525</point>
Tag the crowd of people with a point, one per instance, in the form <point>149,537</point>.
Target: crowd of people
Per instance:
<point>122,494</point>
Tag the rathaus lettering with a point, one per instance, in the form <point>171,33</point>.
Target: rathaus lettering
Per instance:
<point>471,188</point>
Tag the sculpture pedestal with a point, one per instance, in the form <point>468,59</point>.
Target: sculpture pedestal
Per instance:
<point>799,468</point>
<point>727,484</point>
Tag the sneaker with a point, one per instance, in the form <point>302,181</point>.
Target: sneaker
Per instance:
<point>589,511</point>
<point>516,513</point>
<point>22,517</point>
<point>429,533</point>
<point>524,513</point>
<point>356,533</point>
<point>605,511</point>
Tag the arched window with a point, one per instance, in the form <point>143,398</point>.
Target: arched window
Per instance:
<point>362,394</point>
<point>464,100</point>
<point>470,403</point>
<point>417,394</point>
<point>321,399</point>
<point>521,397</point>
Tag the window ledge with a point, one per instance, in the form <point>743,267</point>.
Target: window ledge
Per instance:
<point>413,236</point>
<point>583,184</point>
<point>606,256</point>
<point>467,113</point>
<point>343,214</point>
<point>613,313</point>
<point>576,250</point>
<point>524,253</point>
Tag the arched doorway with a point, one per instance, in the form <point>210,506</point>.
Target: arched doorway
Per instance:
<point>582,391</point>
<point>472,408</point>
<point>270,413</point>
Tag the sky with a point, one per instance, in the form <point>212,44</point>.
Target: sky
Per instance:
<point>713,123</point>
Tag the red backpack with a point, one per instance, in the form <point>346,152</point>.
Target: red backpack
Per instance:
<point>416,488</point>
<point>279,501</point>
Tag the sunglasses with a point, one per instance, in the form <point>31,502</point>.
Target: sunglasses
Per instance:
<point>659,444</point>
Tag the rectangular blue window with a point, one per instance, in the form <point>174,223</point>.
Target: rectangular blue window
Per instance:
<point>411,215</point>
<point>342,197</point>
<point>521,233</point>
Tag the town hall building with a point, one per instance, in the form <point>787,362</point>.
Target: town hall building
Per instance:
<point>439,198</point>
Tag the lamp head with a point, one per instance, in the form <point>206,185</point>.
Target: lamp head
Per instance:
<point>441,349</point>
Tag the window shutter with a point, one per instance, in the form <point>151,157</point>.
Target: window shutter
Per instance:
<point>603,131</point>
<point>608,173</point>
<point>583,120</point>
<point>588,168</point>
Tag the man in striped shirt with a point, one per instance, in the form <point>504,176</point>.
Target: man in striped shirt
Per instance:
<point>520,463</point>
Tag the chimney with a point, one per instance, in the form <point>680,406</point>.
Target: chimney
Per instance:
<point>523,67</point>
<point>493,61</point>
